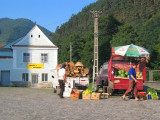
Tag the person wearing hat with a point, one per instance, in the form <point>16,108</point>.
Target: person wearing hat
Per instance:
<point>132,82</point>
<point>62,79</point>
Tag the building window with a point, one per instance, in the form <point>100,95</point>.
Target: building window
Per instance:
<point>44,77</point>
<point>31,35</point>
<point>26,57</point>
<point>24,76</point>
<point>39,36</point>
<point>44,57</point>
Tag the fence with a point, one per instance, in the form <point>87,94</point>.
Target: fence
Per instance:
<point>153,75</point>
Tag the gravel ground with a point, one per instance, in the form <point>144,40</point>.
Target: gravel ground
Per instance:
<point>43,104</point>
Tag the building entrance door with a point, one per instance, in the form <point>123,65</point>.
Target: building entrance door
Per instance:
<point>34,80</point>
<point>5,78</point>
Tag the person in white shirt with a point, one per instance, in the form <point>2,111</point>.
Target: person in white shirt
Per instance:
<point>62,79</point>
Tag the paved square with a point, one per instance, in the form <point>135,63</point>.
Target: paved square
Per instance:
<point>43,104</point>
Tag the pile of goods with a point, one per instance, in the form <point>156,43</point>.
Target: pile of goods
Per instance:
<point>139,74</point>
<point>152,93</point>
<point>142,95</point>
<point>88,95</point>
<point>87,92</point>
<point>121,73</point>
<point>125,74</point>
<point>75,70</point>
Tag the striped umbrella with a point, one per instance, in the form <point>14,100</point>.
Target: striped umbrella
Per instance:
<point>131,51</point>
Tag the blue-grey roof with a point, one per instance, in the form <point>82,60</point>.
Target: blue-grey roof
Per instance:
<point>12,43</point>
<point>6,52</point>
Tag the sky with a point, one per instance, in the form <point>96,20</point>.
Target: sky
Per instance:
<point>47,13</point>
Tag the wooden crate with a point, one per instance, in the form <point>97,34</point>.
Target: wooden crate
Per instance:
<point>96,96</point>
<point>75,96</point>
<point>86,96</point>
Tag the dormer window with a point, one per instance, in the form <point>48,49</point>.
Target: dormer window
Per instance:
<point>39,36</point>
<point>31,35</point>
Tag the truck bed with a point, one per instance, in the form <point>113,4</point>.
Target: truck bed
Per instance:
<point>123,83</point>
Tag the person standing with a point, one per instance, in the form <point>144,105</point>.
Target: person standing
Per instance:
<point>62,79</point>
<point>132,82</point>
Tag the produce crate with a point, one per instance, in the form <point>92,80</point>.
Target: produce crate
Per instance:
<point>75,93</point>
<point>142,95</point>
<point>86,96</point>
<point>96,96</point>
<point>75,96</point>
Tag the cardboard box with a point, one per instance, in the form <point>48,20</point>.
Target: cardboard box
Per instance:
<point>96,96</point>
<point>75,90</point>
<point>86,96</point>
<point>75,96</point>
<point>75,93</point>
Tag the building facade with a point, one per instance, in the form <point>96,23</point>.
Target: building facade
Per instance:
<point>28,61</point>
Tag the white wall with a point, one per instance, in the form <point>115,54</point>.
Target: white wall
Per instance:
<point>20,67</point>
<point>35,54</point>
<point>16,74</point>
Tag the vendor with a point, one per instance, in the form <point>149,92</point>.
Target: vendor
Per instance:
<point>62,79</point>
<point>132,82</point>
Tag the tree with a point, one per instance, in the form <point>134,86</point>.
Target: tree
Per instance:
<point>108,26</point>
<point>150,40</point>
<point>125,35</point>
<point>87,51</point>
<point>155,56</point>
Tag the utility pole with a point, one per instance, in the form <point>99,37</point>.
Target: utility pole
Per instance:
<point>95,66</point>
<point>70,51</point>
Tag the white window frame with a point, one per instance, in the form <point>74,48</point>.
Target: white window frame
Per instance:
<point>44,59</point>
<point>25,77</point>
<point>44,77</point>
<point>26,59</point>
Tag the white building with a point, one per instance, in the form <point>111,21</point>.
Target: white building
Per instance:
<point>28,61</point>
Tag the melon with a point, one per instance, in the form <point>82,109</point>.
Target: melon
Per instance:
<point>122,71</point>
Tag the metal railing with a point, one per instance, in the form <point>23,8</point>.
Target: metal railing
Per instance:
<point>153,75</point>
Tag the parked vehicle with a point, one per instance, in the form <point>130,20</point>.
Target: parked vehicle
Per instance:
<point>101,79</point>
<point>114,73</point>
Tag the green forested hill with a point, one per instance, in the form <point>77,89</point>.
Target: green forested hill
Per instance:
<point>11,29</point>
<point>122,22</point>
